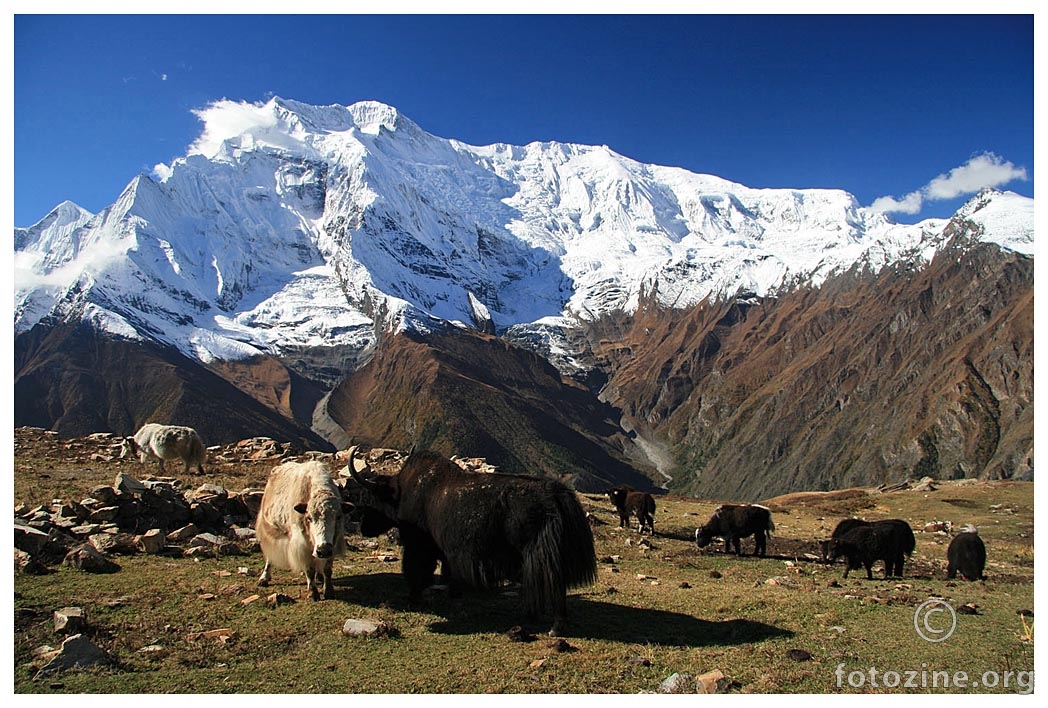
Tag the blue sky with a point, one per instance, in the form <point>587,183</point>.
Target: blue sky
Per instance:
<point>919,108</point>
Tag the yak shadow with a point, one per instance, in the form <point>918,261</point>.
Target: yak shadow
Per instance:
<point>479,612</point>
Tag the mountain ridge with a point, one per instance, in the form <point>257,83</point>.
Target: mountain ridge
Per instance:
<point>292,245</point>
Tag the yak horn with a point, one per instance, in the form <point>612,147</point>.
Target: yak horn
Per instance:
<point>356,465</point>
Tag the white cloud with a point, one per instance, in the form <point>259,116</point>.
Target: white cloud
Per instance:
<point>985,170</point>
<point>910,204</point>
<point>981,171</point>
<point>227,119</point>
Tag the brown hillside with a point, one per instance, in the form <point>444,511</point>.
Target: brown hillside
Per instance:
<point>862,381</point>
<point>475,395</point>
<point>74,381</point>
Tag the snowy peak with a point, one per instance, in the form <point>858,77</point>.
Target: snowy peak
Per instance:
<point>288,226</point>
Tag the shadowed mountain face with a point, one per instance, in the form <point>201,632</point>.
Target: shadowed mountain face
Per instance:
<point>865,380</point>
<point>465,393</point>
<point>75,380</point>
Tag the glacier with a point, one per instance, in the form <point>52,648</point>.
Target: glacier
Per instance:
<point>289,226</point>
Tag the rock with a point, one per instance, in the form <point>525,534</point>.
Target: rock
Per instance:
<point>799,655</point>
<point>87,558</point>
<point>712,682</point>
<point>685,585</point>
<point>111,543</point>
<point>70,620</point>
<point>128,484</point>
<point>104,494</point>
<point>29,539</point>
<point>781,580</point>
<point>561,646</point>
<point>152,541</point>
<point>183,534</point>
<point>1024,613</point>
<point>277,599</point>
<point>519,634</point>
<point>676,683</point>
<point>716,574</point>
<point>76,652</point>
<point>365,628</point>
<point>639,661</point>
<point>968,609</point>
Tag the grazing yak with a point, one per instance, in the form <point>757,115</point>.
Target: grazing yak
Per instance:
<point>300,525</point>
<point>485,529</point>
<point>167,442</point>
<point>628,502</point>
<point>966,555</point>
<point>891,547</point>
<point>733,522</point>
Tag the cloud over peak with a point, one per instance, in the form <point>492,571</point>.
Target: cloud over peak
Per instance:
<point>981,171</point>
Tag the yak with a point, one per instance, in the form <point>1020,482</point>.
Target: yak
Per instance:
<point>899,544</point>
<point>485,529</point>
<point>733,522</point>
<point>628,502</point>
<point>966,555</point>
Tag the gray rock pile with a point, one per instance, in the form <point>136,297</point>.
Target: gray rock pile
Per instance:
<point>153,515</point>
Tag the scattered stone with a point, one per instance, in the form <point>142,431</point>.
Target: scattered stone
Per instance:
<point>277,599</point>
<point>249,599</point>
<point>833,584</point>
<point>519,634</point>
<point>642,576</point>
<point>365,628</point>
<point>70,620</point>
<point>153,651</point>
<point>611,590</point>
<point>1024,613</point>
<point>799,655</point>
<point>561,646</point>
<point>223,635</point>
<point>716,574</point>
<point>536,664</point>
<point>676,683</point>
<point>76,652</point>
<point>87,558</point>
<point>968,609</point>
<point>781,580</point>
<point>639,661</point>
<point>838,629</point>
<point>712,682</point>
<point>685,585</point>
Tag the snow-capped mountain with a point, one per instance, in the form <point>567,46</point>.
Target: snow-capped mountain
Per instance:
<point>288,226</point>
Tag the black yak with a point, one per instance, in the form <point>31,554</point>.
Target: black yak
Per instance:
<point>733,522</point>
<point>629,502</point>
<point>485,529</point>
<point>966,555</point>
<point>900,543</point>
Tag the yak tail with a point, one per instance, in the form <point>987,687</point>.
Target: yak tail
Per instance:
<point>561,557</point>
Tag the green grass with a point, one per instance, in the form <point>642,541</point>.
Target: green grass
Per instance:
<point>736,622</point>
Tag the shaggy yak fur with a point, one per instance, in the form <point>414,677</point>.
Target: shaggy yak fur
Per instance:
<point>167,442</point>
<point>966,555</point>
<point>864,545</point>
<point>733,522</point>
<point>485,529</point>
<point>900,543</point>
<point>640,504</point>
<point>300,525</point>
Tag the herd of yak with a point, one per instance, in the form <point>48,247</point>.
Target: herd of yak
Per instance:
<point>484,529</point>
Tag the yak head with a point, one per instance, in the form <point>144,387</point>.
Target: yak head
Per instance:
<point>704,536</point>
<point>617,495</point>
<point>377,511</point>
<point>323,514</point>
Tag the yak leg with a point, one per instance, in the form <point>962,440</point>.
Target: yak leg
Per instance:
<point>263,580</point>
<point>868,564</point>
<point>418,566</point>
<point>951,572</point>
<point>312,575</point>
<point>329,587</point>
<point>760,543</point>
<point>737,542</point>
